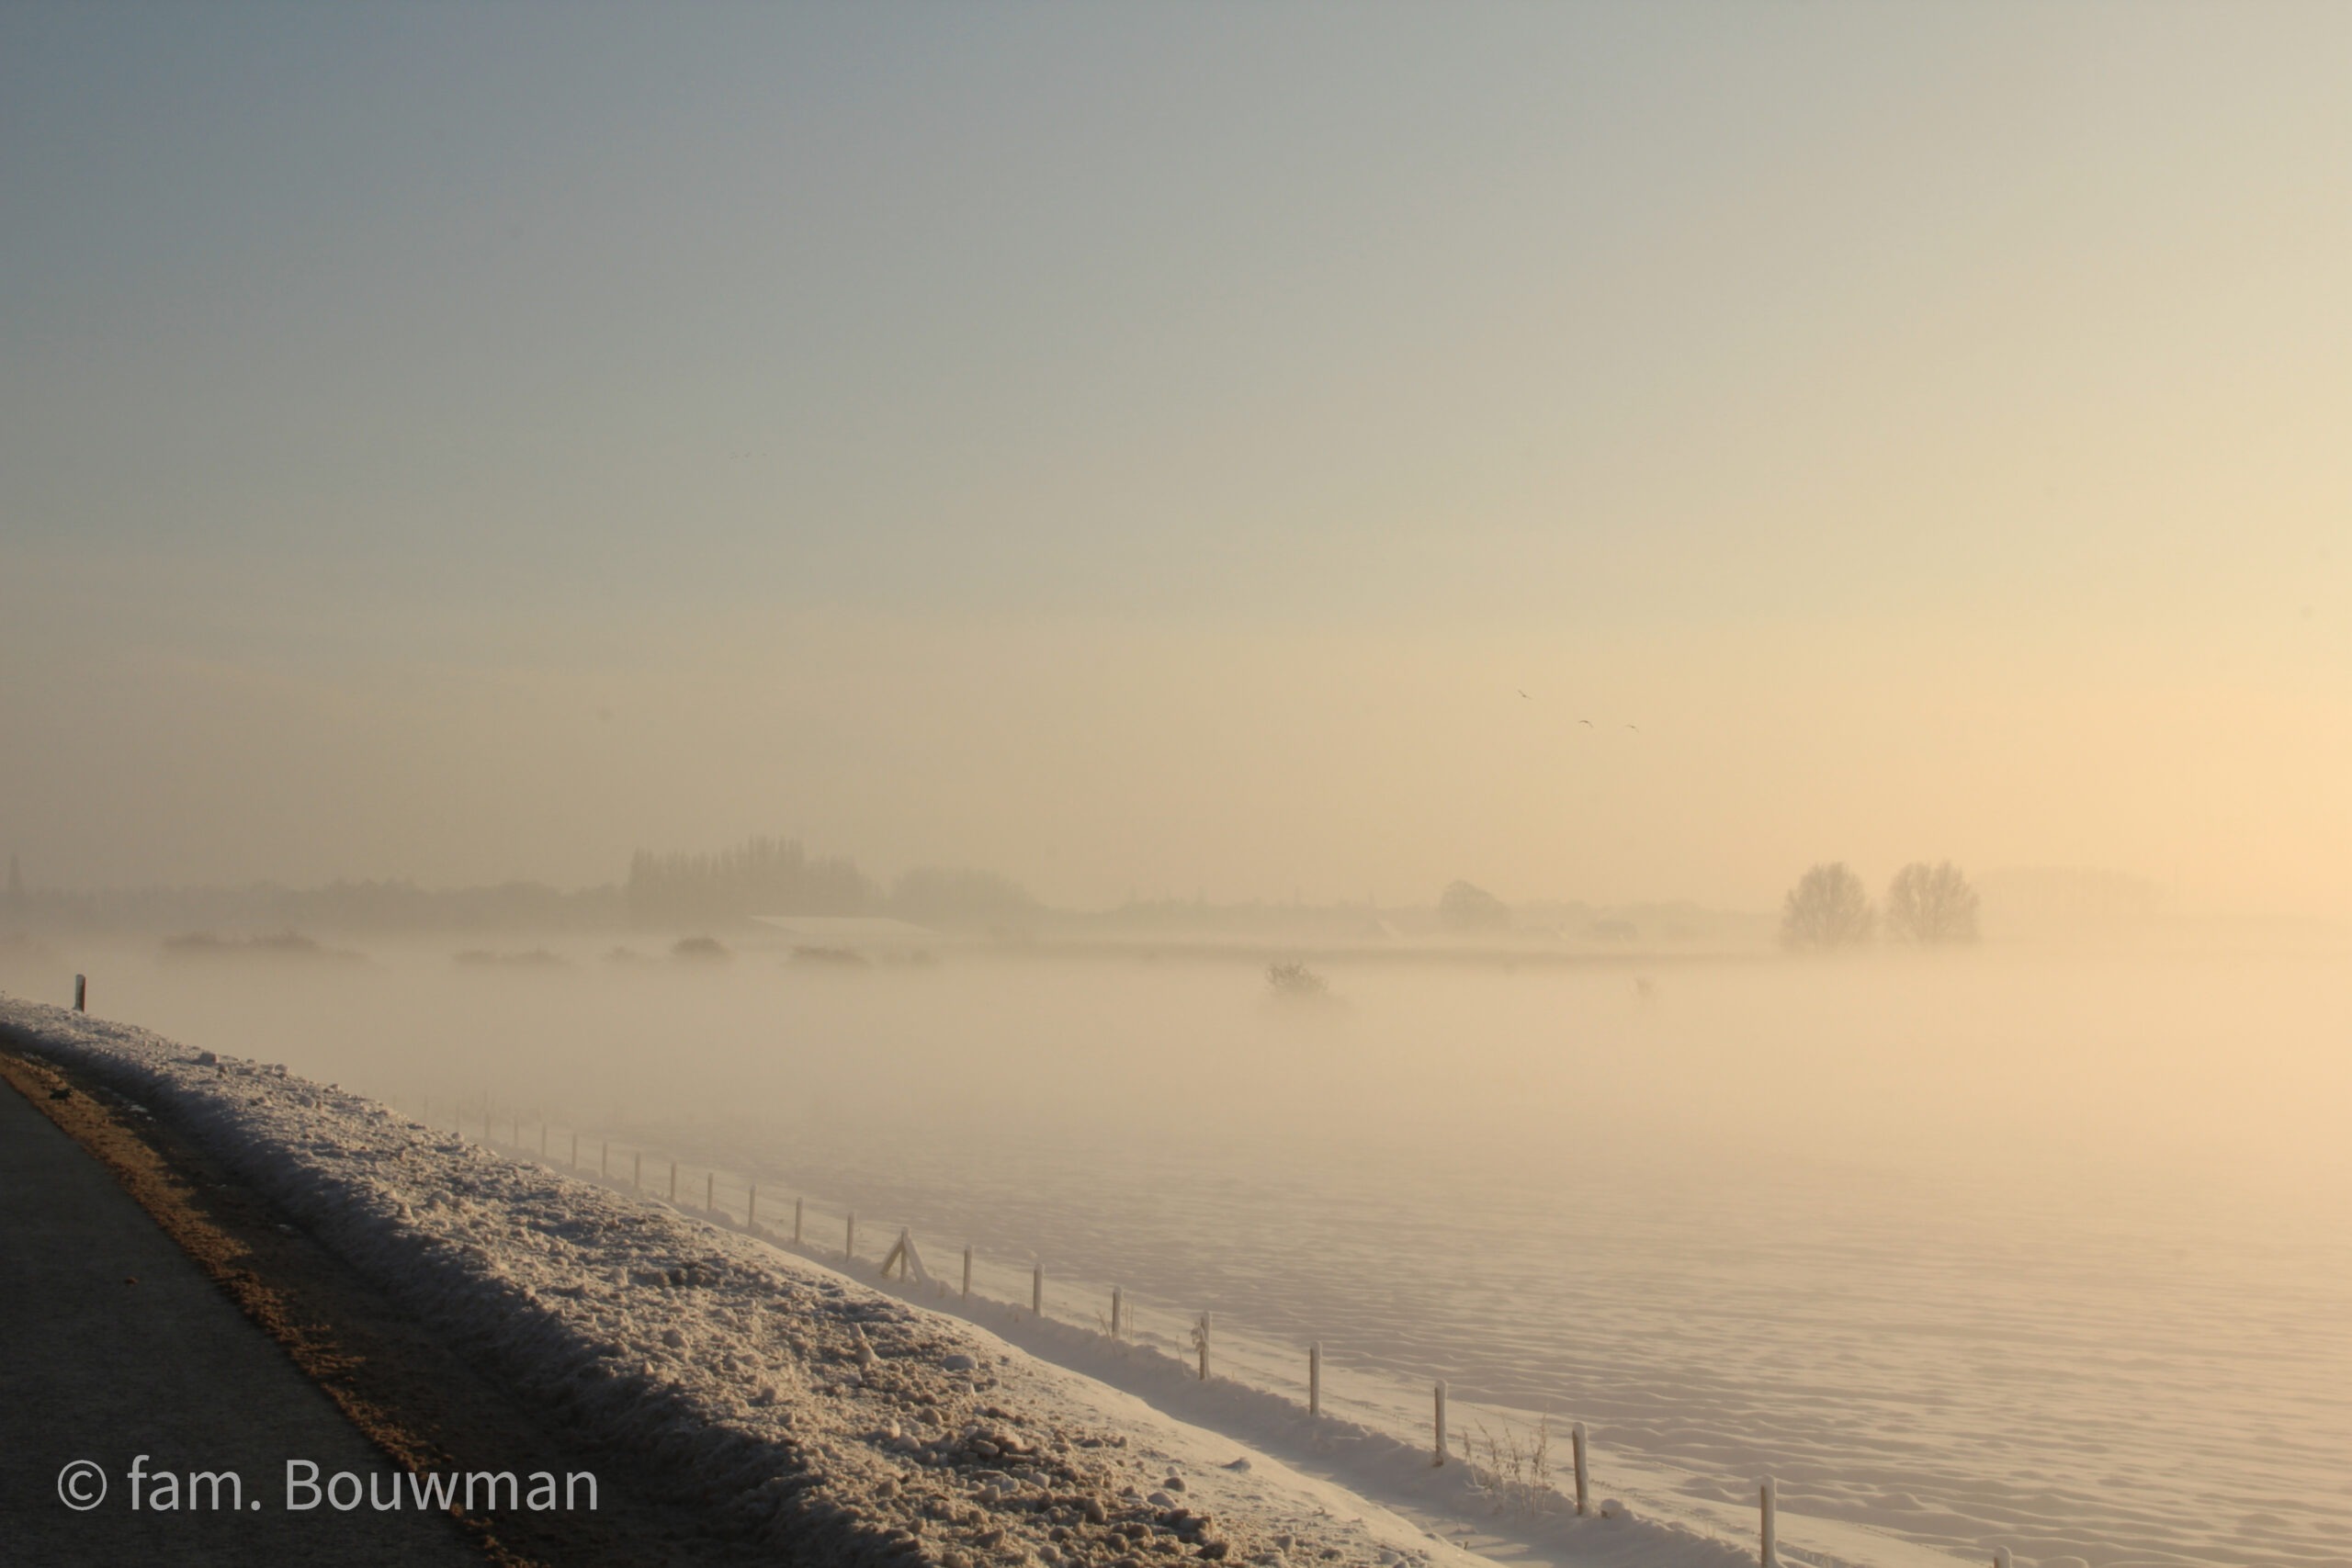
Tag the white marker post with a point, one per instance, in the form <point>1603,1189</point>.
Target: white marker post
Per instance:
<point>1576,1440</point>
<point>1441,1422</point>
<point>1768,1497</point>
<point>1315,1378</point>
<point>1036,1289</point>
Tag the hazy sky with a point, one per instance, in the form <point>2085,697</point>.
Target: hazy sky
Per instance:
<point>1150,448</point>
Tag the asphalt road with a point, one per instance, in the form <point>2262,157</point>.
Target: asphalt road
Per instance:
<point>115,1343</point>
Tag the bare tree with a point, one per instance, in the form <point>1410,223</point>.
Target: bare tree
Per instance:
<point>1827,908</point>
<point>1930,904</point>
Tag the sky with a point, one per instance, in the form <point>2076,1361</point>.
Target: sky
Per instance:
<point>1150,449</point>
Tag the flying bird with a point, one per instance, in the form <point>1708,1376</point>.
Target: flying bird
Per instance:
<point>1585,722</point>
<point>1524,694</point>
<point>1634,728</point>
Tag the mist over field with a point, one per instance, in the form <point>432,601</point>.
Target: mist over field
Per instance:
<point>1984,1060</point>
<point>1927,1235</point>
<point>1648,708</point>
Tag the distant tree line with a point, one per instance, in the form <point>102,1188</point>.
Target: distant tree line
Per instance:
<point>1926,905</point>
<point>761,876</point>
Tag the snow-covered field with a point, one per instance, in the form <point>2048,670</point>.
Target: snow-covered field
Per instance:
<point>2049,1255</point>
<point>816,1407</point>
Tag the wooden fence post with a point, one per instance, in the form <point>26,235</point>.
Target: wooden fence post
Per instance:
<point>1768,1497</point>
<point>1117,1323</point>
<point>636,1171</point>
<point>575,1151</point>
<point>1036,1289</point>
<point>968,1271</point>
<point>901,1257</point>
<point>673,1181</point>
<point>543,1137</point>
<point>1315,1378</point>
<point>605,1159</point>
<point>710,1193</point>
<point>1575,1440</point>
<point>751,1208</point>
<point>1440,1421</point>
<point>81,993</point>
<point>849,1236</point>
<point>796,1220</point>
<point>1200,1340</point>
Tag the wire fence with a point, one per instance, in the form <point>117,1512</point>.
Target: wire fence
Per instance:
<point>1517,1467</point>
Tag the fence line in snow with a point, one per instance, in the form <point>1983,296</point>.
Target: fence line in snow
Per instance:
<point>906,1264</point>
